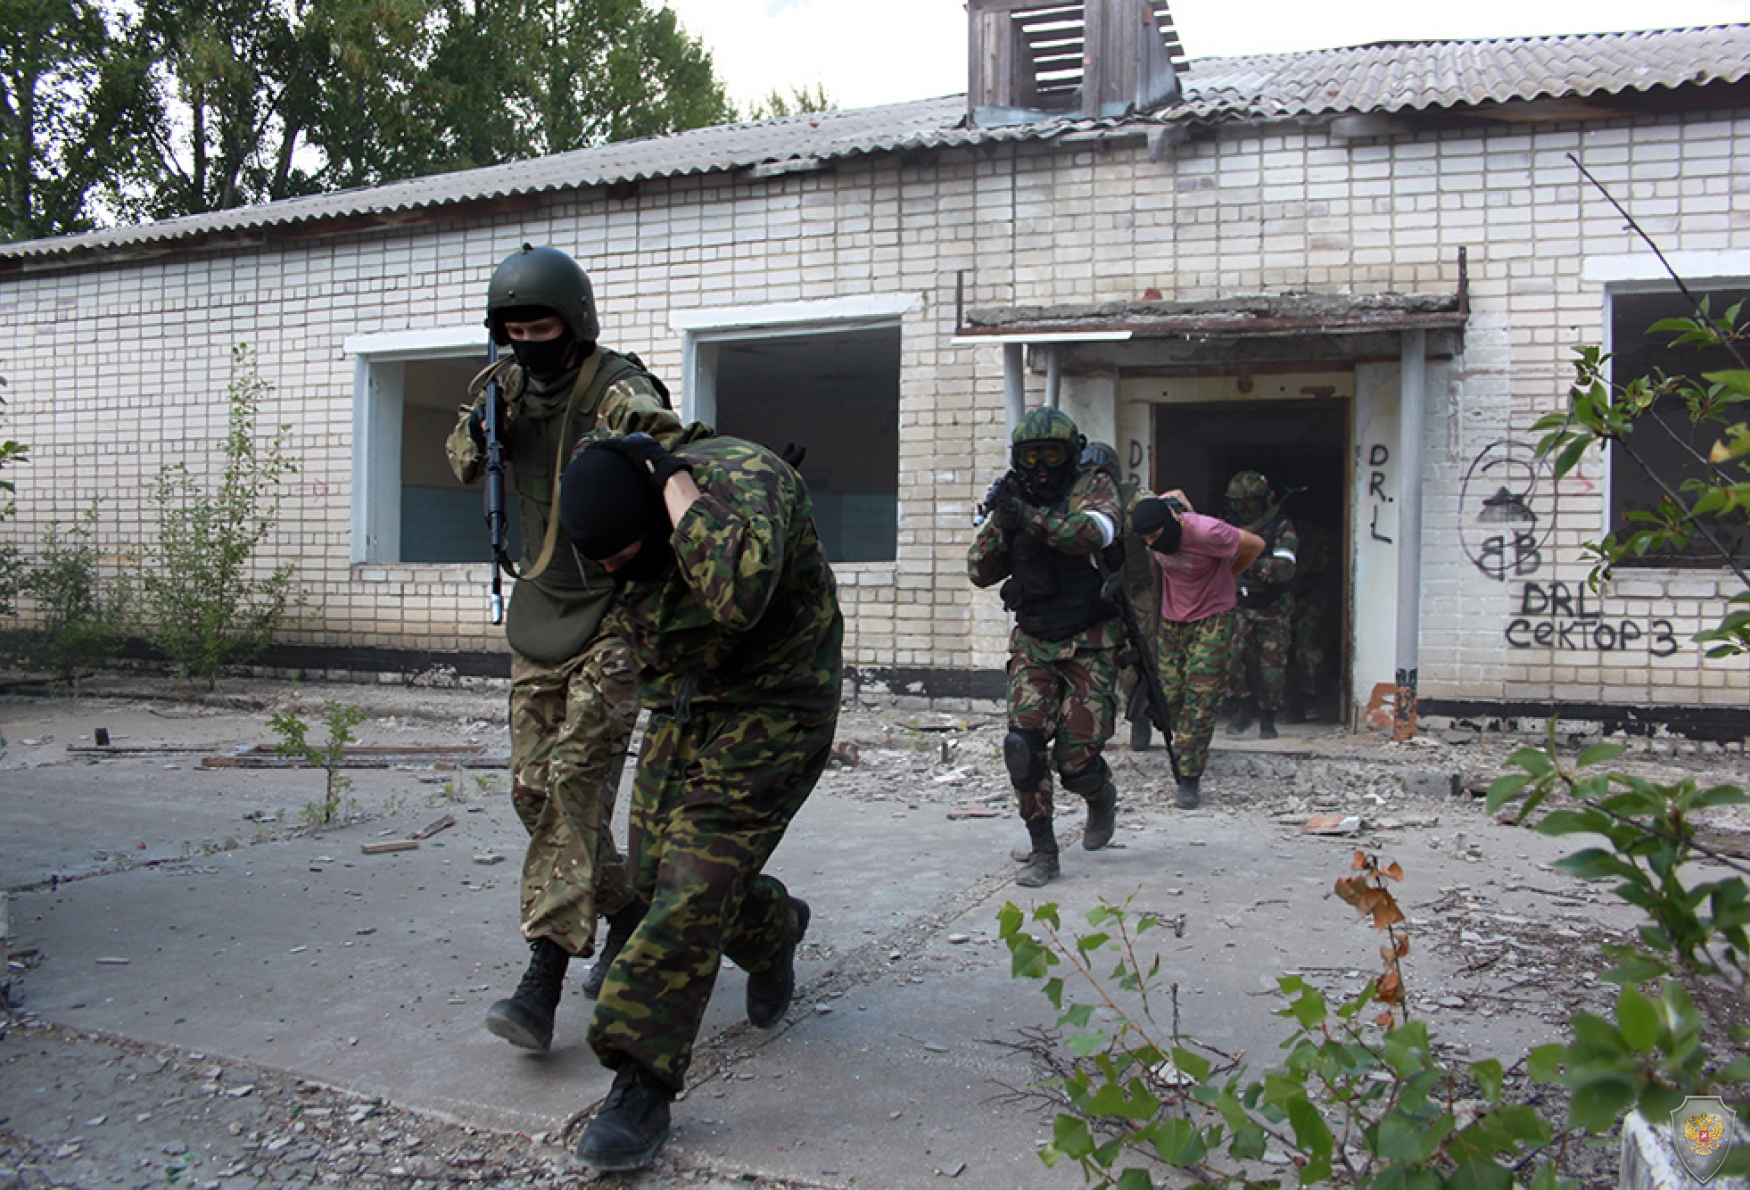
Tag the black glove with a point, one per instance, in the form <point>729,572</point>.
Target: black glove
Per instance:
<point>477,422</point>
<point>650,455</point>
<point>1007,513</point>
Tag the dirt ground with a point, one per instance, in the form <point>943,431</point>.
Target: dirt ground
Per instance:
<point>129,1114</point>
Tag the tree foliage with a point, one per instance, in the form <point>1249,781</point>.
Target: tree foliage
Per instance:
<point>209,601</point>
<point>68,104</point>
<point>175,108</point>
<point>1602,416</point>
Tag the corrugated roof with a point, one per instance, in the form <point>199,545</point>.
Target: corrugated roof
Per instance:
<point>1383,78</point>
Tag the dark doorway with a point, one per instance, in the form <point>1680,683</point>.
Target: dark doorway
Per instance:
<point>1301,447</point>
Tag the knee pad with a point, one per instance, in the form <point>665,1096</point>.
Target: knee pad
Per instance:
<point>1090,780</point>
<point>1024,756</point>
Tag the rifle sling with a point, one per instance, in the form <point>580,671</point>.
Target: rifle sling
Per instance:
<point>586,376</point>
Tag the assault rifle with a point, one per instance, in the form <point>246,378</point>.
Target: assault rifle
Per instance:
<point>1001,492</point>
<point>497,521</point>
<point>1148,678</point>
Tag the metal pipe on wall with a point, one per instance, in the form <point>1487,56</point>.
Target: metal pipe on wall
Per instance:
<point>1014,382</point>
<point>1053,376</point>
<point>1412,399</point>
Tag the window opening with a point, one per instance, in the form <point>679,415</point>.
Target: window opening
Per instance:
<point>836,393</point>
<point>1666,439</point>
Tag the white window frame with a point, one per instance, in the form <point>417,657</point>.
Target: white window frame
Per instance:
<point>703,330</point>
<point>378,394</point>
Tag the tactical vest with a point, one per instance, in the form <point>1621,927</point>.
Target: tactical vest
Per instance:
<point>555,607</point>
<point>1054,595</point>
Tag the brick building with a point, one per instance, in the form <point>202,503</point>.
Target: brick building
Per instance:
<point>1360,270</point>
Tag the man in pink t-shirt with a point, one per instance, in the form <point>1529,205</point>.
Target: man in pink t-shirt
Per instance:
<point>1199,557</point>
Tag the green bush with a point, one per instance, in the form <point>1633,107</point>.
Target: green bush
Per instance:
<point>83,619</point>
<point>295,744</point>
<point>209,602</point>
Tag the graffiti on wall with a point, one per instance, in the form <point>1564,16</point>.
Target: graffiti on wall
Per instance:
<point>1507,512</point>
<point>1378,456</point>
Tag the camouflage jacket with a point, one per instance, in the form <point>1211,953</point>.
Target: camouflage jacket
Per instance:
<point>558,606</point>
<point>1266,581</point>
<point>749,615</point>
<point>1082,524</point>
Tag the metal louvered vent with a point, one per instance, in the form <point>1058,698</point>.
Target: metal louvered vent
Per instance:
<point>1033,60</point>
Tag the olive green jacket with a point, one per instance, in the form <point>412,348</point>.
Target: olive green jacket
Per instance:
<point>557,604</point>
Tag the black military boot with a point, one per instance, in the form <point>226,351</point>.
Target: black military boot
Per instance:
<point>1189,796</point>
<point>620,927</point>
<point>1139,735</point>
<point>631,1125</point>
<point>526,1019</point>
<point>1041,866</point>
<point>769,991</point>
<point>1102,819</point>
<point>1242,720</point>
<point>1266,725</point>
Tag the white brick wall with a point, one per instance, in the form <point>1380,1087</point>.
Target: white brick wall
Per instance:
<point>114,369</point>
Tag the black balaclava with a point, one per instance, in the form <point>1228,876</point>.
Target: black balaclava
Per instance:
<point>543,359</point>
<point>1151,514</point>
<point>605,505</point>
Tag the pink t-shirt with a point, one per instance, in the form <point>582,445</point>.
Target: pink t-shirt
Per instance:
<point>1198,581</point>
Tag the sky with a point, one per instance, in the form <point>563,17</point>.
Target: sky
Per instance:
<point>916,49</point>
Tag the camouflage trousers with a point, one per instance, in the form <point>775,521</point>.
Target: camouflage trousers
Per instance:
<point>569,727</point>
<point>1193,661</point>
<point>1259,661</point>
<point>1315,625</point>
<point>713,795</point>
<point>1072,704</point>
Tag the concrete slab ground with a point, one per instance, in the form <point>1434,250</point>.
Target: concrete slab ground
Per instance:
<point>190,912</point>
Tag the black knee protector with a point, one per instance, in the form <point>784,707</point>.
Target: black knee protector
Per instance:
<point>1024,756</point>
<point>1090,780</point>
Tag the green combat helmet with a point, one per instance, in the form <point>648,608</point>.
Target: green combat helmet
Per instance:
<point>1045,452</point>
<point>1248,499</point>
<point>543,278</point>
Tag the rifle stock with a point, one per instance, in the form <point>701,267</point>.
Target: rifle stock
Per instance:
<point>1148,678</point>
<point>497,522</point>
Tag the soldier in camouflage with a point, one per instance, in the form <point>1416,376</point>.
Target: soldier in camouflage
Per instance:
<point>1199,558</point>
<point>1141,585</point>
<point>1264,629</point>
<point>729,607</point>
<point>573,698</point>
<point>1050,520</point>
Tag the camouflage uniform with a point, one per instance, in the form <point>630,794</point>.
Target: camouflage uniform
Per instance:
<point>739,653</point>
<point>1142,586</point>
<point>572,698</point>
<point>1065,690</point>
<point>1193,663</point>
<point>1265,629</point>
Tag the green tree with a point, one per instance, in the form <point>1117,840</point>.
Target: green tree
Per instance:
<point>69,100</point>
<point>519,79</point>
<point>252,104</point>
<point>11,565</point>
<point>1715,497</point>
<point>800,101</point>
<point>209,601</point>
<point>82,618</point>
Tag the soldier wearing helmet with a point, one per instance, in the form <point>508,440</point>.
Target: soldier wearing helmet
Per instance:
<point>573,695</point>
<point>1050,521</point>
<point>1264,634</point>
